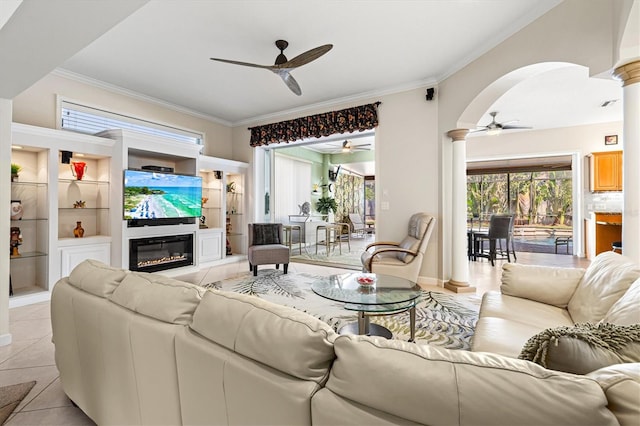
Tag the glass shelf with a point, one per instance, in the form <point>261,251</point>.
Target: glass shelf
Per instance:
<point>84,181</point>
<point>37,184</point>
<point>83,208</point>
<point>29,254</point>
<point>24,219</point>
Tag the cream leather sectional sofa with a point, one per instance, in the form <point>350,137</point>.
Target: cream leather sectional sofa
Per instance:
<point>135,348</point>
<point>535,298</point>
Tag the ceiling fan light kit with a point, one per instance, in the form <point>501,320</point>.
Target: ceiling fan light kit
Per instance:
<point>282,66</point>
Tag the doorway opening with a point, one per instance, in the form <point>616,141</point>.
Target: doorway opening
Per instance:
<point>538,192</point>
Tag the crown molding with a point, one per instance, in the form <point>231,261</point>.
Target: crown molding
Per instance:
<point>136,95</point>
<point>338,101</point>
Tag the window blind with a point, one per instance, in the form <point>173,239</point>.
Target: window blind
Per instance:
<point>84,119</point>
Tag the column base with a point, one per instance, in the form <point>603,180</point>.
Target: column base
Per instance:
<point>458,287</point>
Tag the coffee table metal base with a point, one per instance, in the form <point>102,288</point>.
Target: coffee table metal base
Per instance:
<point>364,325</point>
<point>371,330</point>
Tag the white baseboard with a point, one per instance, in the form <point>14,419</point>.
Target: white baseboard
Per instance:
<point>5,339</point>
<point>430,281</point>
<point>29,299</point>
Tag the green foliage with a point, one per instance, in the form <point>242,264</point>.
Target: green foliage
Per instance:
<point>324,205</point>
<point>15,168</point>
<point>231,187</point>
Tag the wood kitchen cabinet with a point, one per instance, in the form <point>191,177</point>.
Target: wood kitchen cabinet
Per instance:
<point>608,230</point>
<point>606,171</point>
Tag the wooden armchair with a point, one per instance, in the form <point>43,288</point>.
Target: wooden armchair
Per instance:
<point>401,259</point>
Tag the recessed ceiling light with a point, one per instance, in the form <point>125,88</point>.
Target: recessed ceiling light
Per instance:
<point>16,147</point>
<point>77,154</point>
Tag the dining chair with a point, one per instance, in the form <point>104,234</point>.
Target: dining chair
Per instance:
<point>500,228</point>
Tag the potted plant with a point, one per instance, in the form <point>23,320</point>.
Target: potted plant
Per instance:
<point>324,205</point>
<point>15,169</point>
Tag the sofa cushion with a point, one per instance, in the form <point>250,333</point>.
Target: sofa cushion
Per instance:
<point>536,314</point>
<point>606,279</point>
<point>279,336</point>
<point>158,297</point>
<point>584,348</point>
<point>550,285</point>
<point>626,310</point>
<point>429,385</point>
<point>502,336</point>
<point>621,384</point>
<point>96,278</point>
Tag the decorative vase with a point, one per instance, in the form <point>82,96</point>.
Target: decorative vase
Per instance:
<point>14,177</point>
<point>78,169</point>
<point>16,210</point>
<point>78,231</point>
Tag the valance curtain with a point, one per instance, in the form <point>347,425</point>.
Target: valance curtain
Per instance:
<point>348,120</point>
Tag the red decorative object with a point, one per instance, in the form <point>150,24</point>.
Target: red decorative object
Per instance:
<point>78,169</point>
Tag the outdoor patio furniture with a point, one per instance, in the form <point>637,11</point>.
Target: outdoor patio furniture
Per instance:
<point>563,241</point>
<point>357,224</point>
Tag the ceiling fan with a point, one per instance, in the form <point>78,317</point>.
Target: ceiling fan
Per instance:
<point>495,128</point>
<point>282,66</point>
<point>349,147</point>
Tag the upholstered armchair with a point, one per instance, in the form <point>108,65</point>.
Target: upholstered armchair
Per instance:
<point>265,246</point>
<point>401,259</point>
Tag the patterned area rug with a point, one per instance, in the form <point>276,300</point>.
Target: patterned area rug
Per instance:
<point>441,319</point>
<point>11,396</point>
<point>346,260</point>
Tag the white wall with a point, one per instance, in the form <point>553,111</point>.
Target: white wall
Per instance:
<point>583,139</point>
<point>406,159</point>
<point>572,32</point>
<point>37,106</point>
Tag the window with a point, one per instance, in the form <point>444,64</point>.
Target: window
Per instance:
<point>536,198</point>
<point>84,119</point>
<point>292,186</point>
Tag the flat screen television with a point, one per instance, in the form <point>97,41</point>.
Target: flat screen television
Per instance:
<point>153,195</point>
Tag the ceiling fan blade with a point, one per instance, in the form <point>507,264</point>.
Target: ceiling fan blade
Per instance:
<point>306,57</point>
<point>515,127</point>
<point>246,64</point>
<point>289,81</point>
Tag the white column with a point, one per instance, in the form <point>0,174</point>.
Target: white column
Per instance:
<point>5,199</point>
<point>459,281</point>
<point>630,76</point>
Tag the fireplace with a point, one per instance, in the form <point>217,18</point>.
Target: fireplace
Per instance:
<point>160,253</point>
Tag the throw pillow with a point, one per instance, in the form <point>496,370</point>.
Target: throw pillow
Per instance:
<point>266,233</point>
<point>584,348</point>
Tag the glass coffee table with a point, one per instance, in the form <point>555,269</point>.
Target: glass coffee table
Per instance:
<point>386,296</point>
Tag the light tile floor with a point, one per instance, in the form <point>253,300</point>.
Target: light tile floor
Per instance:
<point>31,354</point>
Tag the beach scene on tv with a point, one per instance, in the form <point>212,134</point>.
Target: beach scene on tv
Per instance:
<point>156,195</point>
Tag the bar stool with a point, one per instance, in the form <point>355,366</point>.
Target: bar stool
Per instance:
<point>329,230</point>
<point>287,230</point>
<point>344,235</point>
<point>616,246</point>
